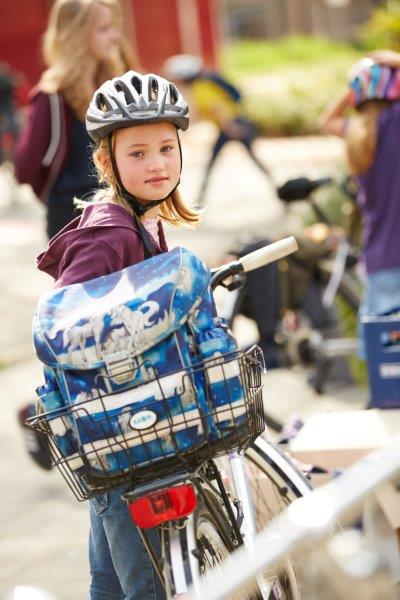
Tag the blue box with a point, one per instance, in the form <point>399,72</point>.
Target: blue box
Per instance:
<point>382,341</point>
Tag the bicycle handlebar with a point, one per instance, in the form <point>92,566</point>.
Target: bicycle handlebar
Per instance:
<point>268,254</point>
<point>254,260</point>
<point>301,188</point>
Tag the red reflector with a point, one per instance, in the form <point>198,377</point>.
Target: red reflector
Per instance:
<point>165,505</point>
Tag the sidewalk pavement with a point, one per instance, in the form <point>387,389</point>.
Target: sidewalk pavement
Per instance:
<point>43,530</point>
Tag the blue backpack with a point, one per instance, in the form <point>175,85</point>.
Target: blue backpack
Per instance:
<point>137,366</point>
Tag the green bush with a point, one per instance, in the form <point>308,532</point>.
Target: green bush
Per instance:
<point>292,108</point>
<point>287,83</point>
<point>251,56</point>
<point>383,29</point>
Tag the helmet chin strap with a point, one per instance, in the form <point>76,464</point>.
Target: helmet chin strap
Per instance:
<point>138,208</point>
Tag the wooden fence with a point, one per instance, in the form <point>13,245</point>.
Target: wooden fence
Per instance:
<point>336,19</point>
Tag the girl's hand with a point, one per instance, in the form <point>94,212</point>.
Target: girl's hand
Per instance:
<point>332,120</point>
<point>386,57</point>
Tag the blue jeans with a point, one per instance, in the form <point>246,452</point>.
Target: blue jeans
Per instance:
<point>120,566</point>
<point>381,295</point>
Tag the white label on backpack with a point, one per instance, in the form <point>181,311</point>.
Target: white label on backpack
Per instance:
<point>143,419</point>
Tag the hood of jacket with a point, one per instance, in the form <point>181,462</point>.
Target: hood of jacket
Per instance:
<point>103,215</point>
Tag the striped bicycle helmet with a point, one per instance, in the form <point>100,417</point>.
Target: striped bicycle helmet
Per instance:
<point>135,99</point>
<point>369,80</point>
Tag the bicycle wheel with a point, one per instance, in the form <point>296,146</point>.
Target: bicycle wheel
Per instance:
<point>275,482</point>
<point>212,550</point>
<point>197,549</point>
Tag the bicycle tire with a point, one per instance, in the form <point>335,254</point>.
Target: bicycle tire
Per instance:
<point>183,563</point>
<point>181,548</point>
<point>284,483</point>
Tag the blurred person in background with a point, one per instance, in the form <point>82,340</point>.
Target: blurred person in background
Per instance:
<point>214,99</point>
<point>83,46</point>
<point>372,137</point>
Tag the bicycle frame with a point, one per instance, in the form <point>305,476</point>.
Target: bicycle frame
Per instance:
<point>242,524</point>
<point>241,486</point>
<point>339,268</point>
<point>177,548</point>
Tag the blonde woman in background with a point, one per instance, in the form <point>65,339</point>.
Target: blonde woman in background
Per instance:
<point>83,46</point>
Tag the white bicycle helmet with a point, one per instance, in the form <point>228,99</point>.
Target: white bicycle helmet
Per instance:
<point>135,99</point>
<point>183,66</point>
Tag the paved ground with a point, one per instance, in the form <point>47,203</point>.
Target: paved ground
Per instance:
<point>43,530</point>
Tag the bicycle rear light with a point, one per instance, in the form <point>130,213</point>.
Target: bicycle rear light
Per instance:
<point>162,506</point>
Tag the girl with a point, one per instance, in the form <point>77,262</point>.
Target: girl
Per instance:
<point>134,121</point>
<point>82,47</point>
<point>372,137</point>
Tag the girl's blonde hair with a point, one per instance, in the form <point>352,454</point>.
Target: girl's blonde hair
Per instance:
<point>71,69</point>
<point>173,210</point>
<point>361,136</point>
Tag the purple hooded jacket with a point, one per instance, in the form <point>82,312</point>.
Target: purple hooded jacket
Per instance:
<point>104,239</point>
<point>379,196</point>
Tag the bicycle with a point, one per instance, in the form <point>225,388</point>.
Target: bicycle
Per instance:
<point>352,564</point>
<point>203,505</point>
<point>309,331</point>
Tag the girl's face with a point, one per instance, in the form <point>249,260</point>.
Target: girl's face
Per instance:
<point>103,34</point>
<point>148,160</point>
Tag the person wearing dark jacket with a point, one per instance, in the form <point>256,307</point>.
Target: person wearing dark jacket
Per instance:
<point>134,119</point>
<point>82,48</point>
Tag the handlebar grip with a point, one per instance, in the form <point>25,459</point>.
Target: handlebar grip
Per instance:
<point>268,254</point>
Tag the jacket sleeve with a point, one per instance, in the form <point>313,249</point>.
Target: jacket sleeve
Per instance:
<point>33,143</point>
<point>88,259</point>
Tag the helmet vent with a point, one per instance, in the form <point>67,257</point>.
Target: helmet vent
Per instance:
<point>137,84</point>
<point>173,93</point>
<point>153,89</point>
<point>102,103</point>
<point>120,86</point>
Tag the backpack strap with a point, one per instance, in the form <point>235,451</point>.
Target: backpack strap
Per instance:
<point>148,246</point>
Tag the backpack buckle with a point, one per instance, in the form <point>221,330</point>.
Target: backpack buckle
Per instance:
<point>120,367</point>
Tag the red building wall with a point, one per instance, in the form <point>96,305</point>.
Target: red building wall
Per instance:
<point>157,29</point>
<point>163,28</point>
<point>22,25</point>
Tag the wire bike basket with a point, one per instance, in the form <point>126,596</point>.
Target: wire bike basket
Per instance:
<point>97,447</point>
